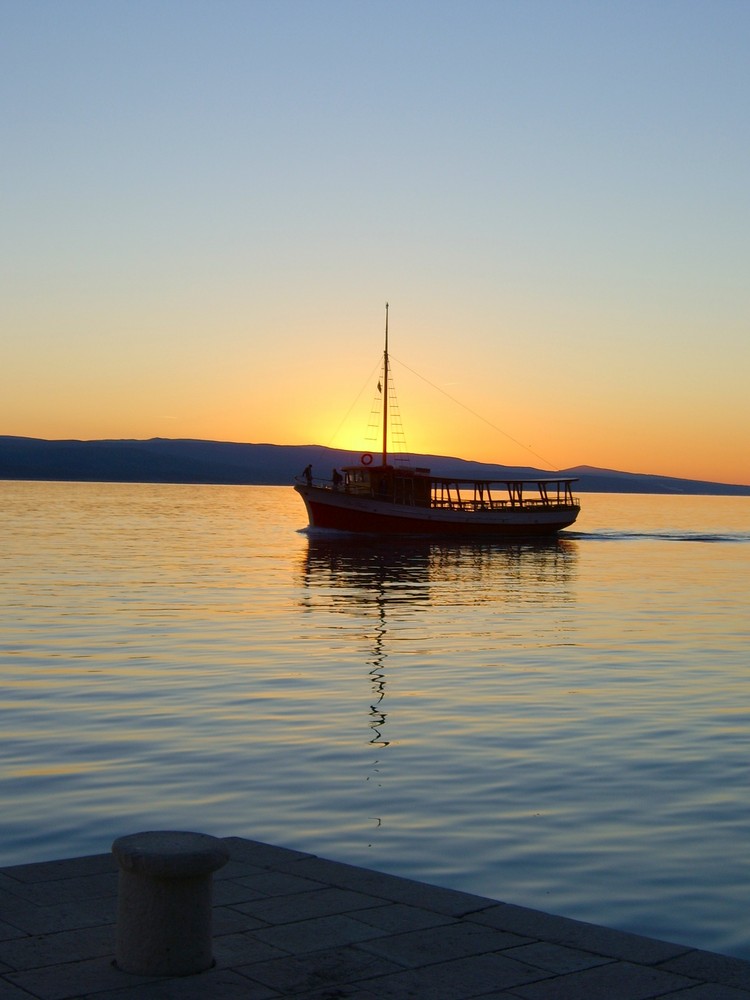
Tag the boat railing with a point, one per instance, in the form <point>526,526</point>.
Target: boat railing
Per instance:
<point>478,495</point>
<point>466,494</point>
<point>496,504</point>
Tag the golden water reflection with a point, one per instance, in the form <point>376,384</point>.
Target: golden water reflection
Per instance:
<point>393,580</point>
<point>375,571</point>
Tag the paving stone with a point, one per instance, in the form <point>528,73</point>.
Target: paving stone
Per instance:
<point>460,979</point>
<point>556,957</point>
<point>232,950</point>
<point>7,931</point>
<point>615,981</point>
<point>317,934</point>
<point>303,906</point>
<point>227,893</point>
<point>229,921</point>
<point>716,968</point>
<point>268,883</point>
<point>37,950</point>
<point>10,992</point>
<point>65,890</point>
<point>73,979</point>
<point>52,871</point>
<point>340,993</point>
<point>425,947</point>
<point>396,917</point>
<point>8,884</point>
<point>320,970</point>
<point>711,992</point>
<point>577,934</point>
<point>223,983</point>
<point>394,888</point>
<point>64,916</point>
<point>237,869</point>
<point>264,855</point>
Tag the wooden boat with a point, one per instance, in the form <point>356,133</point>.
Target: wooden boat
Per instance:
<point>380,498</point>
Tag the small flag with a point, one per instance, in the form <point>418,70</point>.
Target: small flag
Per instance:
<point>380,387</point>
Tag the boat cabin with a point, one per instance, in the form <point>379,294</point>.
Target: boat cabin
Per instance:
<point>385,482</point>
<point>417,488</point>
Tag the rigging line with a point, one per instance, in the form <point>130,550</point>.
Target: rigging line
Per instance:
<point>479,416</point>
<point>359,394</point>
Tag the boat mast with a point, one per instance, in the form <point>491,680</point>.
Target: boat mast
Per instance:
<point>385,392</point>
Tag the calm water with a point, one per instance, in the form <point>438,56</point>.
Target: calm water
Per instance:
<point>565,726</point>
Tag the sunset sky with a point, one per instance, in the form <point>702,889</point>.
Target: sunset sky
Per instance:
<point>206,205</point>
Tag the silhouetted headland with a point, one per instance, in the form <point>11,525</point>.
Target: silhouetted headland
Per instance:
<point>167,460</point>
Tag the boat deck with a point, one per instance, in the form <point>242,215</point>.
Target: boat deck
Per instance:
<point>289,924</point>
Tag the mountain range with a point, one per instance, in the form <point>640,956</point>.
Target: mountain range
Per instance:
<point>177,460</point>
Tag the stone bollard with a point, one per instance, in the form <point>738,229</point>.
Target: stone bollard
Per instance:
<point>164,901</point>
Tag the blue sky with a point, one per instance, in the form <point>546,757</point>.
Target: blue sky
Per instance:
<point>206,205</point>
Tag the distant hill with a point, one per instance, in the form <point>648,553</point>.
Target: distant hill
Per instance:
<point>167,460</point>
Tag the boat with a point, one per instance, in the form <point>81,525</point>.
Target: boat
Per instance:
<point>378,497</point>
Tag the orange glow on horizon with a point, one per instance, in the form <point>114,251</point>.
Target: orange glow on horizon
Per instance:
<point>476,415</point>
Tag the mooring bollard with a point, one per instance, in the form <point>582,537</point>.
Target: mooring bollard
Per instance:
<point>164,901</point>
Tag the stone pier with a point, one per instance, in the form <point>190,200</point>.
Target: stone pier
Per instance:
<point>288,924</point>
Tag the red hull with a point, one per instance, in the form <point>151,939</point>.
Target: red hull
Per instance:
<point>336,512</point>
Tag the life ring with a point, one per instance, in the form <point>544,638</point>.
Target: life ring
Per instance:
<point>366,458</point>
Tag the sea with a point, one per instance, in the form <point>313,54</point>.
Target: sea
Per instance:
<point>562,725</point>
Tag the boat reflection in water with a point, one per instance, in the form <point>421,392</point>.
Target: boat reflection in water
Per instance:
<point>421,593</point>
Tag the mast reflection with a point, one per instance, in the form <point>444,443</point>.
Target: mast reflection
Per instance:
<point>373,576</point>
<point>403,580</point>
